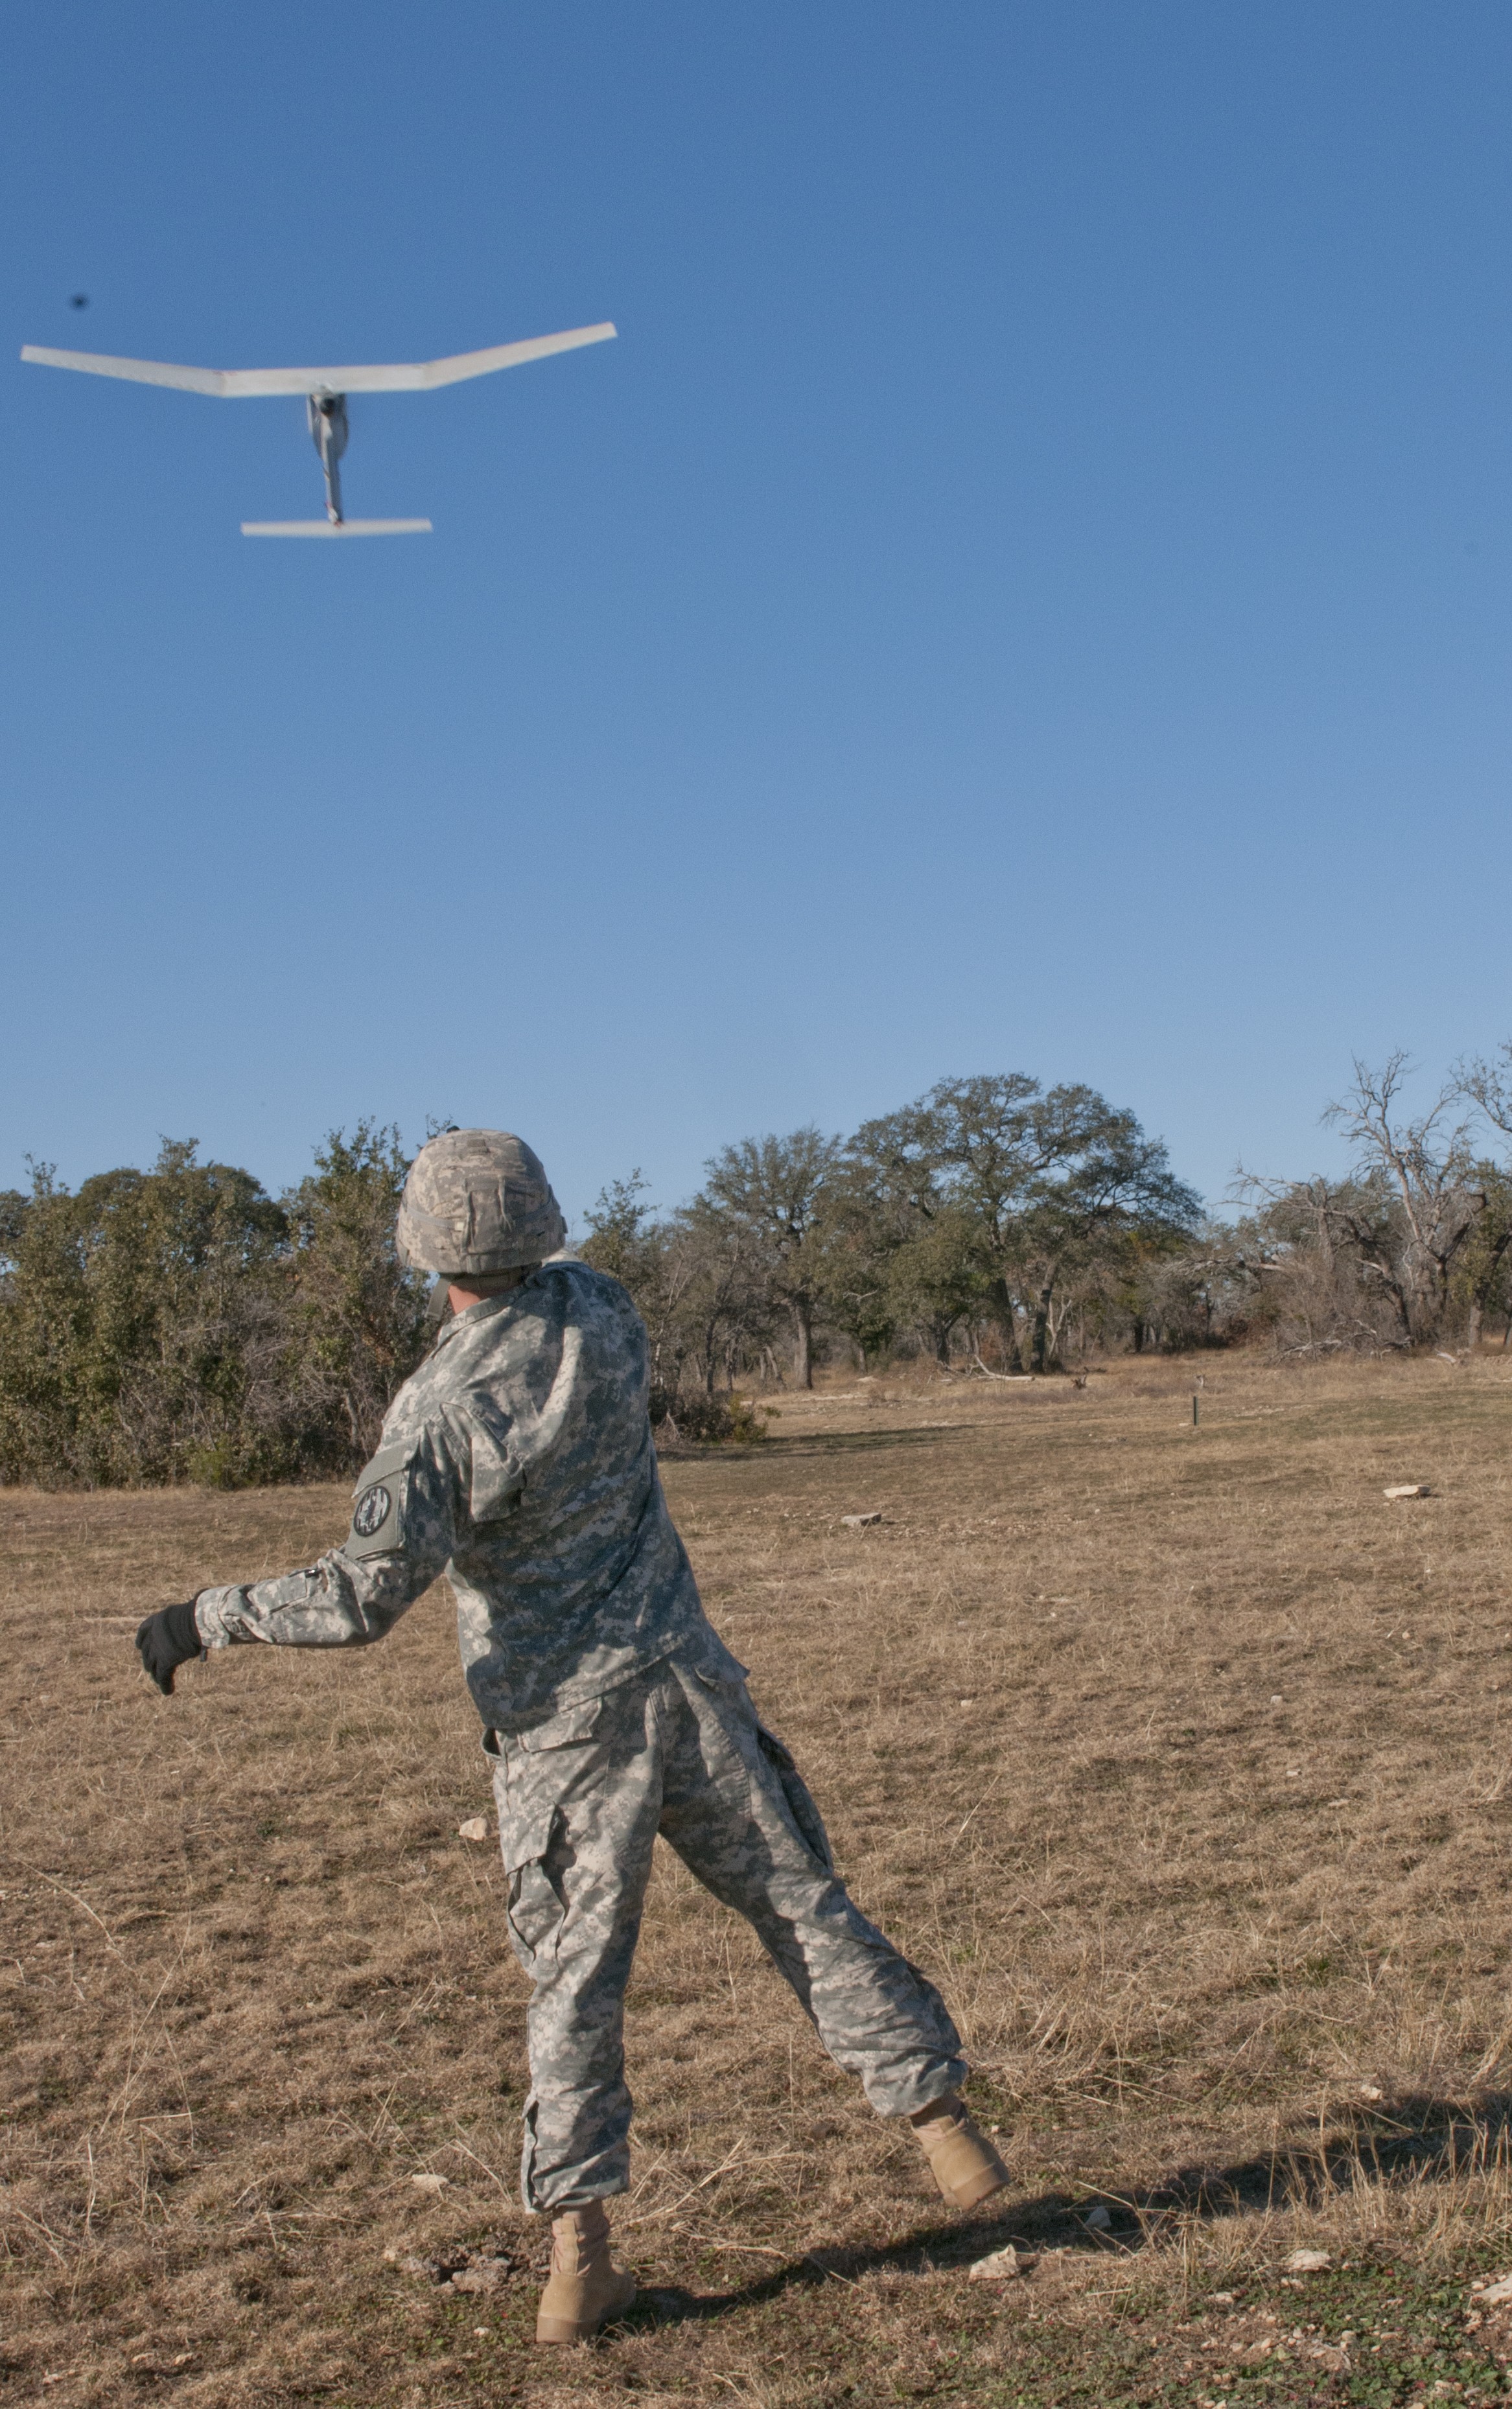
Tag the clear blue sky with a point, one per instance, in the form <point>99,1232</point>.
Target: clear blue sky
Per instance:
<point>1029,589</point>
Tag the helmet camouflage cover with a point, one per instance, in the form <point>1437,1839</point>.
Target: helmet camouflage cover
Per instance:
<point>476,1201</point>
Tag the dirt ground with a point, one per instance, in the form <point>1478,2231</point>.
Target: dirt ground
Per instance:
<point>1179,1756</point>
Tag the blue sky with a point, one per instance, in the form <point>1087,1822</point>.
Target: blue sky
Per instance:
<point>1029,589</point>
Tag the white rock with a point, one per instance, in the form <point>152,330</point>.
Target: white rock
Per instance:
<point>1495,2294</point>
<point>475,1828</point>
<point>1371,2091</point>
<point>1099,2218</point>
<point>428,2183</point>
<point>1308,2262</point>
<point>1002,2268</point>
<point>1409,1488</point>
<point>859,1521</point>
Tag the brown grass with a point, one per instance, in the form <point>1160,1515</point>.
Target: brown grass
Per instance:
<point>1179,1757</point>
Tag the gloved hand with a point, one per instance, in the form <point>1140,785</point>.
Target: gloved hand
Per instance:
<point>167,1640</point>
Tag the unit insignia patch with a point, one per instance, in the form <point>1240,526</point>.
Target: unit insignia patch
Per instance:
<point>371,1512</point>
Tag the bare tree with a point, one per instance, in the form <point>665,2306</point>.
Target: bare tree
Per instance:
<point>1426,1166</point>
<point>1319,1258</point>
<point>1490,1086</point>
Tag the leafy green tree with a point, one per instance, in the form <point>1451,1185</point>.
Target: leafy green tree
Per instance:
<point>178,1323</point>
<point>773,1193</point>
<point>622,1237</point>
<point>902,1253</point>
<point>139,1328</point>
<point>1012,1192</point>
<point>1482,1281</point>
<point>355,1316</point>
<point>1113,1194</point>
<point>628,1241</point>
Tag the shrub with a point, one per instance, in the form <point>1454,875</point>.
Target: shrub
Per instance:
<point>710,1421</point>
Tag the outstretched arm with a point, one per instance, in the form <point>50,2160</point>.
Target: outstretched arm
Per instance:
<point>404,1523</point>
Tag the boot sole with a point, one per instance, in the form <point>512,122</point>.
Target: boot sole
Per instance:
<point>571,2330</point>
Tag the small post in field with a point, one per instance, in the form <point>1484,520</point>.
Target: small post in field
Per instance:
<point>1195,1409</point>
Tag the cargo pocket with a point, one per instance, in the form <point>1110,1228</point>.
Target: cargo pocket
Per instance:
<point>569,1729</point>
<point>536,1904</point>
<point>800,1804</point>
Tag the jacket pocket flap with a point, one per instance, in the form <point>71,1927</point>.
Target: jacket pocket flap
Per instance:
<point>495,1481</point>
<point>526,1839</point>
<point>566,1730</point>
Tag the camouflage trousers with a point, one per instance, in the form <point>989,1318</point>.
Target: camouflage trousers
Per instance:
<point>580,1800</point>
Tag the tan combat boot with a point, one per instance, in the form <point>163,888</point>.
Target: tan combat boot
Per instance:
<point>962,2158</point>
<point>584,2289</point>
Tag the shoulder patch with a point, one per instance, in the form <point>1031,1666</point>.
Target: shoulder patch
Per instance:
<point>377,1509</point>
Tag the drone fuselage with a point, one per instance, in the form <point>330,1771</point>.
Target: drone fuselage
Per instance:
<point>327,416</point>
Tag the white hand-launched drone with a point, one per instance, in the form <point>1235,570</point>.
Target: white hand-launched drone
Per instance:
<point>325,391</point>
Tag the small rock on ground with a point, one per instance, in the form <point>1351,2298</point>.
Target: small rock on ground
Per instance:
<point>1000,2267</point>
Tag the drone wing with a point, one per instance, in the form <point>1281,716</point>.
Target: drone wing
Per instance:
<point>404,376</point>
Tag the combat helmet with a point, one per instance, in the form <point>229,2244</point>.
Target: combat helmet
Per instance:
<point>476,1201</point>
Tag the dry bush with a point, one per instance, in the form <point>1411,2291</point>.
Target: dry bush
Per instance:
<point>1178,1756</point>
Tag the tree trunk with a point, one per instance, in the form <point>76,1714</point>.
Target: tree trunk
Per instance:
<point>803,1345</point>
<point>1471,1336</point>
<point>1039,1345</point>
<point>1139,1336</point>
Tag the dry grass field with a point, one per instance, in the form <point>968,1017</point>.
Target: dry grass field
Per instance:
<point>1181,1758</point>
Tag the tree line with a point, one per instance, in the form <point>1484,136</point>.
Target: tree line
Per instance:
<point>994,1219</point>
<point>182,1323</point>
<point>1003,1228</point>
<point>1411,1248</point>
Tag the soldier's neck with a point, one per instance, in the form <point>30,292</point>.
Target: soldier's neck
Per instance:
<point>498,1284</point>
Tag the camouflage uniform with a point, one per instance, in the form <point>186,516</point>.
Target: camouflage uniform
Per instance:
<point>519,1462</point>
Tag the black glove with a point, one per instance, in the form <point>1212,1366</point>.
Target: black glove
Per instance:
<point>167,1640</point>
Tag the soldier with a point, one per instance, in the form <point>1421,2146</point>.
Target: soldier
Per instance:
<point>519,1462</point>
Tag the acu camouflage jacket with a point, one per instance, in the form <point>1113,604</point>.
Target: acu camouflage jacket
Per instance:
<point>518,1460</point>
